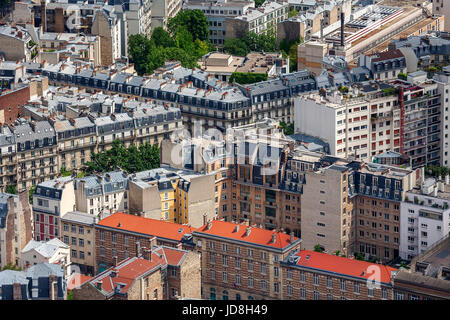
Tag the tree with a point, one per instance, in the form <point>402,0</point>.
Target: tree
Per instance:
<point>247,77</point>
<point>258,3</point>
<point>11,188</point>
<point>30,194</point>
<point>193,20</point>
<point>70,295</point>
<point>292,13</point>
<point>64,173</point>
<point>287,129</point>
<point>11,266</point>
<point>318,248</point>
<point>359,256</point>
<point>162,38</point>
<point>235,47</point>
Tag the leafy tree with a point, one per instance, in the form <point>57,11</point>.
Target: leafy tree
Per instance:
<point>11,188</point>
<point>193,20</point>
<point>318,248</point>
<point>70,295</point>
<point>11,266</point>
<point>292,13</point>
<point>131,159</point>
<point>359,256</point>
<point>337,252</point>
<point>258,3</point>
<point>235,47</point>
<point>30,193</point>
<point>250,42</point>
<point>287,129</point>
<point>247,77</point>
<point>64,173</point>
<point>162,38</point>
<point>402,76</point>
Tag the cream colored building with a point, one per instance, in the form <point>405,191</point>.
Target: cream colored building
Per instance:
<point>52,251</point>
<point>163,10</point>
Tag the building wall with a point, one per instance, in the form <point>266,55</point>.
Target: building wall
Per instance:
<point>190,276</point>
<point>139,290</point>
<point>11,103</point>
<point>13,49</point>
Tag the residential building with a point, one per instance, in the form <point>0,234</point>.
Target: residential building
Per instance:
<point>17,44</point>
<point>158,273</point>
<point>36,153</point>
<point>103,194</point>
<point>442,8</point>
<point>428,278</point>
<point>13,285</point>
<point>123,235</point>
<point>163,10</point>
<point>261,20</point>
<point>15,227</point>
<point>442,80</point>
<point>8,168</point>
<point>52,200</point>
<point>172,195</point>
<point>77,231</point>
<point>217,12</point>
<point>53,251</point>
<point>425,217</point>
<point>242,262</point>
<point>384,65</point>
<point>139,17</point>
<point>310,275</point>
<point>77,141</point>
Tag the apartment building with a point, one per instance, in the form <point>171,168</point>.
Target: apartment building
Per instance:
<point>424,216</point>
<point>163,10</point>
<point>52,200</point>
<point>123,235</point>
<point>139,17</point>
<point>15,227</point>
<point>360,123</point>
<point>261,20</point>
<point>310,275</point>
<point>442,8</point>
<point>17,43</point>
<point>216,13</point>
<point>103,194</point>
<point>78,232</point>
<point>157,273</point>
<point>242,262</point>
<point>77,140</point>
<point>384,65</point>
<point>171,195</point>
<point>8,160</point>
<point>377,217</point>
<point>442,80</point>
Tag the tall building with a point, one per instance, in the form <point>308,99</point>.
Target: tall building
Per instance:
<point>442,8</point>
<point>163,10</point>
<point>442,79</point>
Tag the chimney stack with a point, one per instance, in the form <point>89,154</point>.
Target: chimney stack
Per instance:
<point>153,242</point>
<point>99,284</point>
<point>148,254</point>
<point>247,231</point>
<point>342,28</point>
<point>115,259</point>
<point>236,229</point>
<point>291,237</point>
<point>321,30</point>
<point>209,225</point>
<point>205,219</point>
<point>274,237</point>
<point>138,248</point>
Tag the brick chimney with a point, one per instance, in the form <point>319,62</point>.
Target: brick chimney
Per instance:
<point>115,260</point>
<point>99,284</point>
<point>138,248</point>
<point>153,242</point>
<point>291,239</point>
<point>274,237</point>
<point>17,291</point>
<point>53,287</point>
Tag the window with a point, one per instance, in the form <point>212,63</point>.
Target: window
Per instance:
<point>384,293</point>
<point>302,276</point>
<point>316,295</point>
<point>263,285</point>
<point>276,287</point>
<point>316,279</point>
<point>342,285</point>
<point>289,290</point>
<point>329,282</point>
<point>224,276</point>
<point>356,288</point>
<point>250,282</point>
<point>370,292</point>
<point>302,293</point>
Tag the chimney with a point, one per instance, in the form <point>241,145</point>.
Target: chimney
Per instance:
<point>342,28</point>
<point>148,254</point>
<point>99,284</point>
<point>274,237</point>
<point>113,273</point>
<point>236,229</point>
<point>138,248</point>
<point>321,30</point>
<point>180,246</point>
<point>17,291</point>
<point>291,239</point>
<point>153,242</point>
<point>115,260</point>
<point>209,225</point>
<point>247,231</point>
<point>53,282</point>
<point>205,219</point>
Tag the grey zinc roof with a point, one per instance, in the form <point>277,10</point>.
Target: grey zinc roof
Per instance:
<point>9,277</point>
<point>25,132</point>
<point>44,270</point>
<point>79,217</point>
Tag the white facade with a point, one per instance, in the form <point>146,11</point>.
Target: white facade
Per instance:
<point>361,127</point>
<point>163,10</point>
<point>52,251</point>
<point>424,218</point>
<point>139,18</point>
<point>442,8</point>
<point>443,82</point>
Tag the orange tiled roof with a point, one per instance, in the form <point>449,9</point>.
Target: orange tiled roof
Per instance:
<point>173,256</point>
<point>257,235</point>
<point>344,266</point>
<point>158,228</point>
<point>77,280</point>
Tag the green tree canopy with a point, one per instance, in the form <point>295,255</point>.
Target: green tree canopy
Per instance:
<point>131,159</point>
<point>250,42</point>
<point>247,77</point>
<point>258,3</point>
<point>194,21</point>
<point>11,188</point>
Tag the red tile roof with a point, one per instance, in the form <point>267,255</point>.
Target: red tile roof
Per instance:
<point>76,280</point>
<point>174,256</point>
<point>257,235</point>
<point>152,227</point>
<point>344,266</point>
<point>127,272</point>
<point>387,55</point>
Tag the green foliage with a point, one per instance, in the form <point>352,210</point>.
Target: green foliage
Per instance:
<point>30,193</point>
<point>70,295</point>
<point>194,21</point>
<point>318,248</point>
<point>186,42</point>
<point>250,42</point>
<point>402,76</point>
<point>292,13</point>
<point>258,3</point>
<point>337,252</point>
<point>247,77</point>
<point>131,159</point>
<point>437,171</point>
<point>11,266</point>
<point>11,188</point>
<point>343,89</point>
<point>359,256</point>
<point>287,129</point>
<point>290,49</point>
<point>64,173</point>
<point>390,91</point>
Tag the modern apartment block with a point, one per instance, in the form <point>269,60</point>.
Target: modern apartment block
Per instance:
<point>442,79</point>
<point>242,262</point>
<point>361,123</point>
<point>8,168</point>
<point>15,227</point>
<point>217,12</point>
<point>261,20</point>
<point>310,275</point>
<point>425,217</point>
